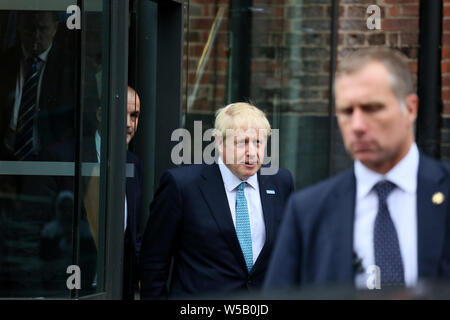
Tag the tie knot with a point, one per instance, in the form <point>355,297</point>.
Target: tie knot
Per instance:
<point>383,189</point>
<point>242,186</point>
<point>31,64</point>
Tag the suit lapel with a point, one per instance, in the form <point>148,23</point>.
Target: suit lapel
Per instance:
<point>268,208</point>
<point>214,193</point>
<point>343,223</point>
<point>430,217</point>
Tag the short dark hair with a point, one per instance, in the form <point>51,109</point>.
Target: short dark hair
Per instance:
<point>53,14</point>
<point>395,62</point>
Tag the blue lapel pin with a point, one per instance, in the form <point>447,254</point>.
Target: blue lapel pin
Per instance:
<point>270,191</point>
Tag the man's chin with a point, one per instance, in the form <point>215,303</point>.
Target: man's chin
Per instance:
<point>364,156</point>
<point>249,170</point>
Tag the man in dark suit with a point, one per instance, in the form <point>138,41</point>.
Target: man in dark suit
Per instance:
<point>218,222</point>
<point>37,105</point>
<point>133,238</point>
<point>385,222</point>
<point>59,186</point>
<point>38,94</point>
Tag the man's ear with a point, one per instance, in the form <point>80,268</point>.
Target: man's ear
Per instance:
<point>412,105</point>
<point>98,114</point>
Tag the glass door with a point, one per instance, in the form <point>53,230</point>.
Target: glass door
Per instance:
<point>52,222</point>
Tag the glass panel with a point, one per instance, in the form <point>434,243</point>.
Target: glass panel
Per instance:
<point>93,153</point>
<point>41,235</point>
<point>274,54</point>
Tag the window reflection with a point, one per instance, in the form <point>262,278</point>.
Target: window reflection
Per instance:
<point>39,92</point>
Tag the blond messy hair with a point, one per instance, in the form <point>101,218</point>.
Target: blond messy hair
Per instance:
<point>240,115</point>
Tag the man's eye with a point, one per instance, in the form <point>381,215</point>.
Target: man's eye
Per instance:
<point>372,107</point>
<point>345,111</point>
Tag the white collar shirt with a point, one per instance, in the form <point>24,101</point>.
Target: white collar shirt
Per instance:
<point>403,210</point>
<point>255,211</point>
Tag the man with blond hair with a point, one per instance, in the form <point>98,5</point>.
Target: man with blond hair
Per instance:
<point>218,222</point>
<point>385,222</point>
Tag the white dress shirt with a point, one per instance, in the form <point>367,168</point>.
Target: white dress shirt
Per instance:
<point>255,212</point>
<point>98,141</point>
<point>402,205</point>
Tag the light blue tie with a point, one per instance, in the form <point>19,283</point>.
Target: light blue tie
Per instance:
<point>243,230</point>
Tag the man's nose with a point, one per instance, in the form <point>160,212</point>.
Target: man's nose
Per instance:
<point>251,149</point>
<point>358,121</point>
<point>128,121</point>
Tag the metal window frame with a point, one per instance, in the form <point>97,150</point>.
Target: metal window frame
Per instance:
<point>115,183</point>
<point>112,184</point>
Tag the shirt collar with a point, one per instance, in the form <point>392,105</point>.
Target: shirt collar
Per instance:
<point>230,181</point>
<point>98,142</point>
<point>43,56</point>
<point>403,175</point>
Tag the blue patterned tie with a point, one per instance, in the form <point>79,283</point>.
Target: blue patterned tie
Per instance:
<point>387,249</point>
<point>27,111</point>
<point>243,230</point>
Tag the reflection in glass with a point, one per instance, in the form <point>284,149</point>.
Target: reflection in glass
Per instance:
<point>40,66</point>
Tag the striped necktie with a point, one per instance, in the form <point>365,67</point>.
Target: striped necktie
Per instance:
<point>243,230</point>
<point>27,111</point>
<point>387,247</point>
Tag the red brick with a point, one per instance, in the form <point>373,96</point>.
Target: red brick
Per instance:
<point>399,24</point>
<point>409,38</point>
<point>376,39</point>
<point>413,67</point>
<point>196,50</point>
<point>446,52</point>
<point>446,25</point>
<point>201,23</point>
<point>445,67</point>
<point>393,39</point>
<point>401,1</point>
<point>446,38</point>
<point>446,80</point>
<point>394,11</point>
<point>410,10</point>
<point>356,12</point>
<point>446,95</point>
<point>446,109</point>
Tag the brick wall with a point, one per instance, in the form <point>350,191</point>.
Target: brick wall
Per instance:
<point>399,26</point>
<point>445,68</point>
<point>206,76</point>
<point>290,52</point>
<point>290,48</point>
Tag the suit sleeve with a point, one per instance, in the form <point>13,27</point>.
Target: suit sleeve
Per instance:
<point>160,239</point>
<point>291,183</point>
<point>284,267</point>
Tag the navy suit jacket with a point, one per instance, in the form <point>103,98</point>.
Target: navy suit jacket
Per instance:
<point>57,98</point>
<point>133,237</point>
<point>190,220</point>
<point>315,246</point>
